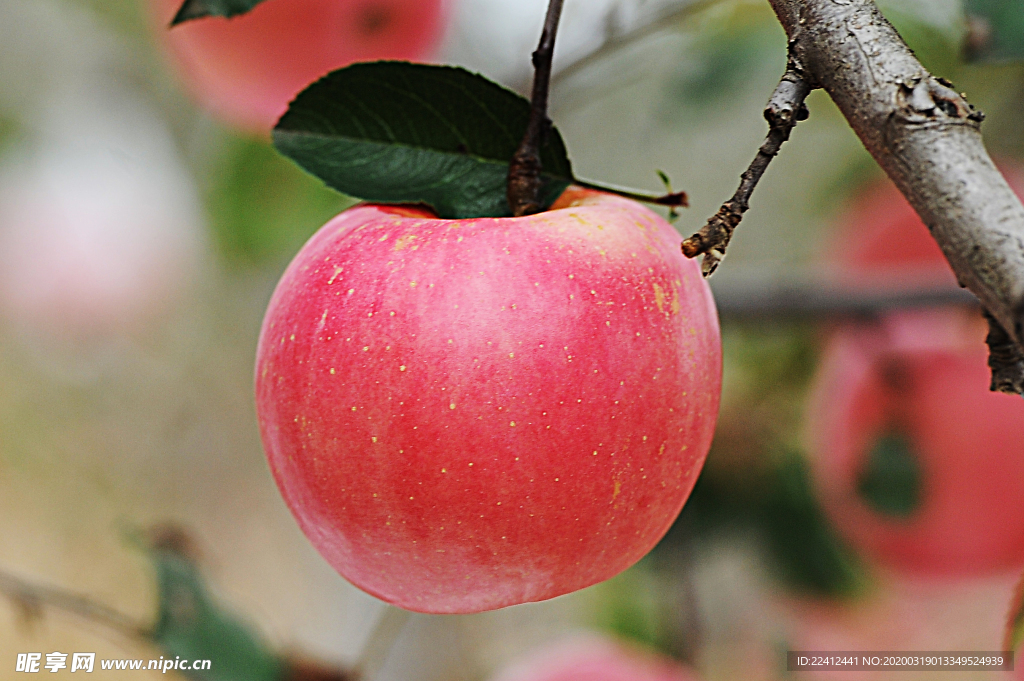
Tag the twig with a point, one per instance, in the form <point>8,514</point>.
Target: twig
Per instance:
<point>35,595</point>
<point>659,22</point>
<point>784,109</point>
<point>1004,359</point>
<point>927,139</point>
<point>524,169</point>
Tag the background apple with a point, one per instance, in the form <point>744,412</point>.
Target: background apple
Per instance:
<point>918,464</point>
<point>593,658</point>
<point>470,414</point>
<point>100,224</point>
<point>881,241</point>
<point>246,69</point>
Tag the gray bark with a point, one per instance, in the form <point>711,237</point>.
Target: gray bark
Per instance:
<point>927,139</point>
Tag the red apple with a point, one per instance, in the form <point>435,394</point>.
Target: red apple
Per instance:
<point>247,68</point>
<point>469,414</point>
<point>913,386</point>
<point>593,659</point>
<point>905,382</point>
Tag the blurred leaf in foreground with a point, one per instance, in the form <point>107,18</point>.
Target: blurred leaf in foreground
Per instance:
<point>192,626</point>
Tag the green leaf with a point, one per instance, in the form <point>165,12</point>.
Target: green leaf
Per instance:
<point>996,30</point>
<point>197,9</point>
<point>395,132</point>
<point>192,626</point>
<point>891,481</point>
<point>673,214</point>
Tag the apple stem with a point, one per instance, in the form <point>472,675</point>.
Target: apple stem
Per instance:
<point>524,169</point>
<point>785,108</point>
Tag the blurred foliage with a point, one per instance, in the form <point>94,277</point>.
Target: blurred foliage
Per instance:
<point>262,206</point>
<point>130,19</point>
<point>734,43</point>
<point>811,556</point>
<point>629,609</point>
<point>891,481</point>
<point>996,30</point>
<point>192,626</point>
<point>839,191</point>
<point>755,477</point>
<point>9,130</point>
<point>936,45</point>
<point>1015,621</point>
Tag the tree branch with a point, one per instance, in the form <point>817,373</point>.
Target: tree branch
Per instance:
<point>615,41</point>
<point>33,596</point>
<point>784,109</point>
<point>758,299</point>
<point>927,139</point>
<point>1004,358</point>
<point>524,168</point>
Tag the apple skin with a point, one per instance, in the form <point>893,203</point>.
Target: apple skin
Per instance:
<point>593,658</point>
<point>247,68</point>
<point>469,414</point>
